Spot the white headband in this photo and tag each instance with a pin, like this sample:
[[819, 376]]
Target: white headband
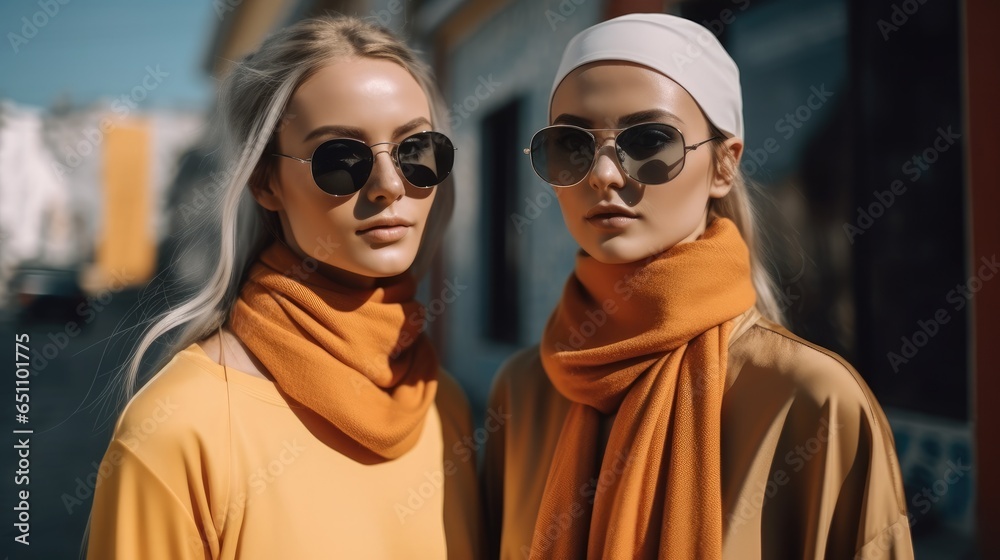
[[684, 51]]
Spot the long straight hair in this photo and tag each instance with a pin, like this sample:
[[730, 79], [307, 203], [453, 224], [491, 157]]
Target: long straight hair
[[741, 206], [252, 100]]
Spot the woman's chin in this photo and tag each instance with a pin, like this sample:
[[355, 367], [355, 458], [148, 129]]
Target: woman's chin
[[617, 250], [385, 266]]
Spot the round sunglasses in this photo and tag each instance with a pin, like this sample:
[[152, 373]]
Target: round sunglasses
[[650, 153], [342, 166]]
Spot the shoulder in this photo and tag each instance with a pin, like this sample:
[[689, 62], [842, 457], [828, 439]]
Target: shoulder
[[523, 370], [521, 387], [171, 452], [181, 409], [809, 370], [794, 400], [815, 391]]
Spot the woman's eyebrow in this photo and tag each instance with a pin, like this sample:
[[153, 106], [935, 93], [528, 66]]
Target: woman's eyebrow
[[638, 117], [353, 132], [648, 116], [574, 120], [414, 123], [335, 130]]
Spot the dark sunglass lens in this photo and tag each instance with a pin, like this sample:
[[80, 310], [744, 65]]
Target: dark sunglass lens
[[562, 156], [341, 167], [426, 158], [651, 153]]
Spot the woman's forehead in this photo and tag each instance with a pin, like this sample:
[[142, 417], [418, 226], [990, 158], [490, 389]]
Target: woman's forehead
[[358, 93], [609, 90]]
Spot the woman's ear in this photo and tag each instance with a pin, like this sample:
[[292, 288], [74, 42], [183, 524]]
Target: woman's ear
[[727, 166], [265, 187]]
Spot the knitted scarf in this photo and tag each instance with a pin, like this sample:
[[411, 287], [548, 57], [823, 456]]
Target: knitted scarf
[[647, 340], [357, 357]]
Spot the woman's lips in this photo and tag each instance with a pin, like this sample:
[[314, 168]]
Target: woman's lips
[[383, 234], [611, 221]]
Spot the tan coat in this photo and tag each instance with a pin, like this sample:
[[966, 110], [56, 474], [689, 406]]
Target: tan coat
[[809, 468]]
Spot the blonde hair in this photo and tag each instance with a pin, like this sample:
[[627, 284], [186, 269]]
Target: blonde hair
[[739, 206], [252, 100]]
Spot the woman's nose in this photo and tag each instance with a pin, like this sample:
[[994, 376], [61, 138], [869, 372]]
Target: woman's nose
[[385, 183], [606, 172]]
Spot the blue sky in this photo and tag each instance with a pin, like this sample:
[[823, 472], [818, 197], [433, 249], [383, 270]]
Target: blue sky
[[100, 48]]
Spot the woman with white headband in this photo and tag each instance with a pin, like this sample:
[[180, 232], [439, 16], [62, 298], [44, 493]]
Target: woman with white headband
[[666, 412]]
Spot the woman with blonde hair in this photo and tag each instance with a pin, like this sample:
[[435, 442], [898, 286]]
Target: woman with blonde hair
[[666, 412], [303, 413]]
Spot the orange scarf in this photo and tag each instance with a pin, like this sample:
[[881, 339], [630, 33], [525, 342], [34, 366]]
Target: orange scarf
[[648, 340], [357, 357]]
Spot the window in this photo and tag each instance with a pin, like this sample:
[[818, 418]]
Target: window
[[501, 260]]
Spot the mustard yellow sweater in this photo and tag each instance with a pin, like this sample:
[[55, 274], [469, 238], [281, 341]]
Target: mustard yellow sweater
[[205, 466]]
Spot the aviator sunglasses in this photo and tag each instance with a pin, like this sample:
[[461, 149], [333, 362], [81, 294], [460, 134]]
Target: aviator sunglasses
[[341, 166], [650, 153]]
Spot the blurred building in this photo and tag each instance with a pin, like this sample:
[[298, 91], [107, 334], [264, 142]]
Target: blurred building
[[83, 196], [860, 121]]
